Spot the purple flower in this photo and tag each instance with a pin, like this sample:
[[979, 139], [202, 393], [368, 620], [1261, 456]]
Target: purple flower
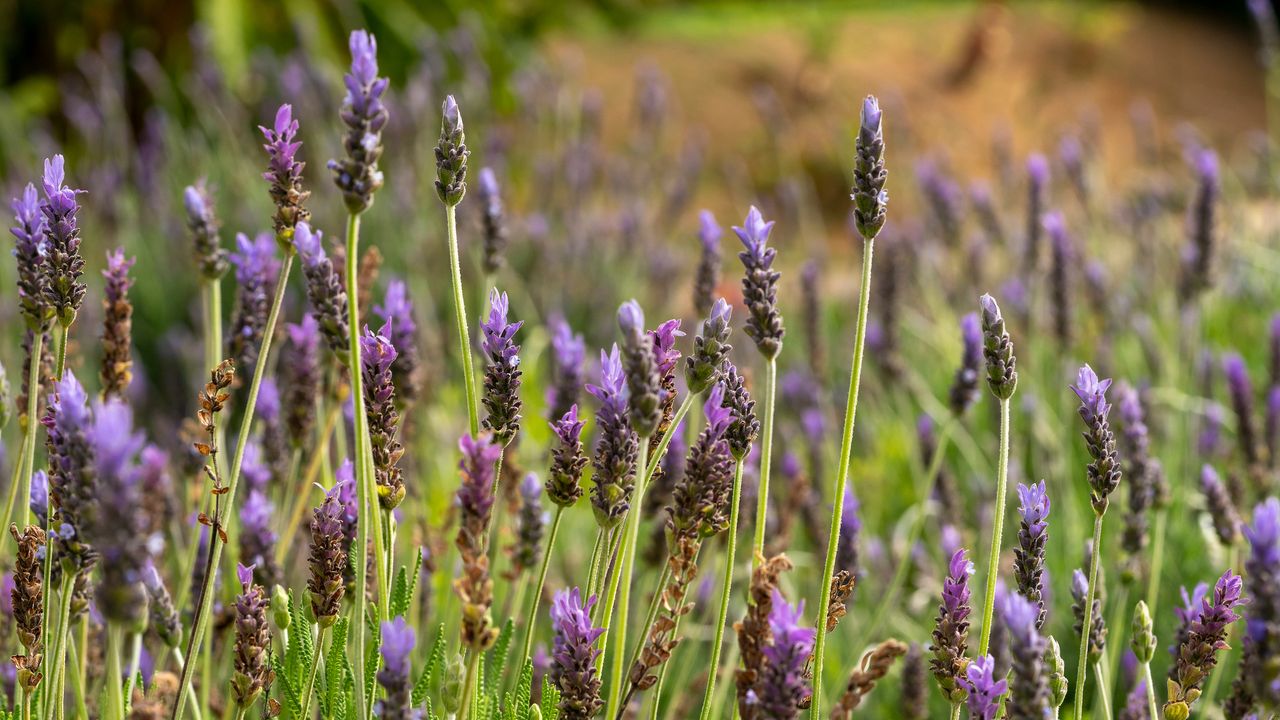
[[1104, 469], [203, 224], [300, 373], [1262, 640], [357, 175], [63, 263], [451, 155], [398, 641], [377, 356], [256, 266], [494, 224], [119, 537], [710, 348], [1028, 564], [1241, 391], [760, 284], [30, 249], [1197, 260], [1029, 692], [1222, 509], [284, 173], [567, 461], [707, 275], [1198, 651], [574, 653], [640, 362], [253, 640], [39, 500], [964, 389], [984, 691], [616, 444], [568, 354], [997, 349], [72, 475], [869, 176], [502, 373], [479, 457], [257, 540], [325, 290], [783, 687], [951, 630], [397, 314]]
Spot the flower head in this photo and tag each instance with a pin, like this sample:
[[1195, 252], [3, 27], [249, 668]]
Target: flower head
[[357, 175], [64, 265], [760, 284], [983, 688], [573, 654], [451, 155], [1104, 470], [502, 375], [284, 173], [869, 196]]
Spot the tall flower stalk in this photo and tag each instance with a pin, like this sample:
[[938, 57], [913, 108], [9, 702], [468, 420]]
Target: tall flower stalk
[[1104, 476], [869, 213], [33, 280], [451, 186], [1002, 378]]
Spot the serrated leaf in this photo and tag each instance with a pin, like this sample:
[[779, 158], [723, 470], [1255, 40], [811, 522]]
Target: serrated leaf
[[405, 585], [286, 687], [497, 660], [300, 652], [429, 679], [333, 689], [524, 691], [372, 657], [549, 704]]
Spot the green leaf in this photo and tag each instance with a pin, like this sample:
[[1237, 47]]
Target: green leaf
[[288, 690], [372, 658], [402, 590], [299, 653], [429, 680], [334, 690], [524, 691], [497, 660], [550, 703]]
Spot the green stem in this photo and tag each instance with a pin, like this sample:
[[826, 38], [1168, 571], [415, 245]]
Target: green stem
[[77, 676], [363, 469], [993, 557], [651, 614], [135, 657], [215, 546], [955, 711], [665, 440], [191, 692], [726, 591], [460, 316], [627, 554], [890, 596], [469, 686], [29, 438], [1152, 710], [14, 484], [593, 575], [840, 481], [304, 483], [61, 362], [532, 618], [311, 674], [115, 700], [54, 686], [1082, 666], [1103, 692], [766, 452]]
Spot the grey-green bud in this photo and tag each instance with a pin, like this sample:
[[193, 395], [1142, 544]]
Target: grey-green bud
[[1057, 673], [280, 608], [1143, 642]]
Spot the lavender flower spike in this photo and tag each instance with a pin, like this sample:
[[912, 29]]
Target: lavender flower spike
[[203, 223], [1029, 692], [328, 561], [869, 175], [997, 348], [643, 377], [300, 376], [495, 227], [782, 687], [964, 389], [1241, 391], [253, 641], [1198, 651], [1104, 469], [1222, 509], [616, 446], [502, 371], [1197, 261], [325, 290], [707, 276], [30, 249], [63, 262], [117, 326], [568, 354], [951, 631], [984, 691], [564, 482], [119, 537], [760, 284], [398, 641], [284, 173], [710, 348], [451, 155], [357, 175], [573, 668], [72, 475], [475, 504], [530, 524], [1033, 533], [1258, 676], [377, 355]]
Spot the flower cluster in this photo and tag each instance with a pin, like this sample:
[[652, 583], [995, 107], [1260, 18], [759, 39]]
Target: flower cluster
[[502, 372], [357, 175]]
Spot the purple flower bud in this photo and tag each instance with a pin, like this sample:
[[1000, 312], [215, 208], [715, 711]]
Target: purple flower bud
[[451, 155], [377, 356], [495, 229], [63, 263], [707, 275], [1263, 623], [711, 347], [616, 446], [502, 373], [357, 175], [631, 318], [1241, 391], [568, 354], [783, 687], [30, 249], [964, 389], [574, 653], [284, 173], [39, 500], [398, 641], [119, 537], [1104, 469], [760, 284], [997, 349]]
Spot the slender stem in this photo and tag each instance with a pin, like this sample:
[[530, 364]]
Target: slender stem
[[82, 676], [363, 466], [1103, 692], [726, 591], [215, 547], [1152, 710], [650, 615], [593, 575], [840, 481], [955, 711], [460, 316], [993, 557], [311, 674], [77, 676], [29, 438], [191, 692], [469, 686], [135, 658], [60, 638], [1082, 666], [115, 700], [64, 334], [890, 596], [766, 453], [665, 440], [532, 618], [14, 484], [627, 554]]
